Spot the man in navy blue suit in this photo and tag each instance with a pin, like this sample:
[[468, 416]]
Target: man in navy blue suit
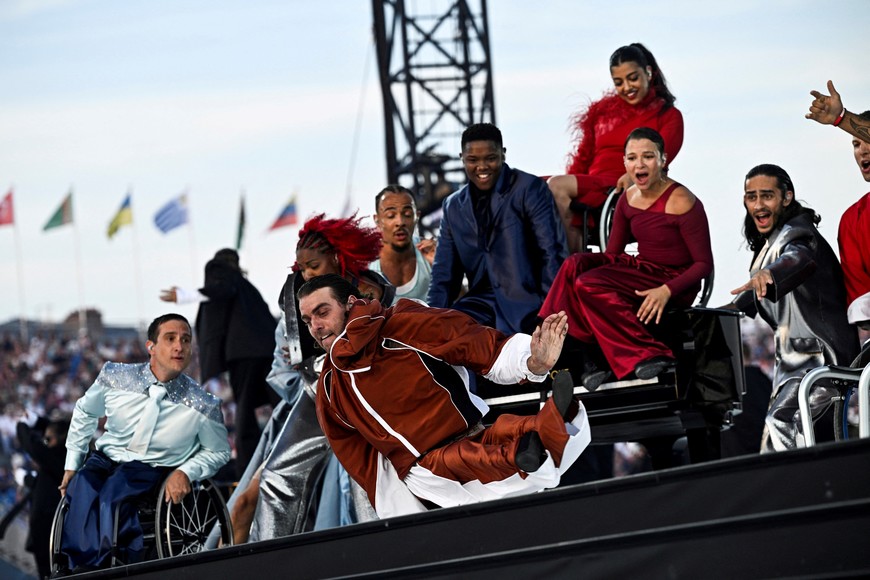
[[501, 231]]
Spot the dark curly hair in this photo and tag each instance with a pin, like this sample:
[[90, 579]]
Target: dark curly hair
[[355, 245]]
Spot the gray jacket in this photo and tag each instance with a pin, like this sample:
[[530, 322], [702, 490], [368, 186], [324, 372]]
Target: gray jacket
[[806, 304]]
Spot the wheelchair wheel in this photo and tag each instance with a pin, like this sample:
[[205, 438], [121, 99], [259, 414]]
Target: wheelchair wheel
[[605, 221], [183, 528], [56, 560]]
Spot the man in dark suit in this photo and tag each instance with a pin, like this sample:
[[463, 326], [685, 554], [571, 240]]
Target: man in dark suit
[[236, 333], [501, 231]]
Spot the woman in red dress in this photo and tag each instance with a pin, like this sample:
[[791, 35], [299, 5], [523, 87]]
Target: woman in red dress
[[612, 297], [640, 99]]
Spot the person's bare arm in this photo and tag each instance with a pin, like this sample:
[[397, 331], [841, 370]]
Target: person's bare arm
[[826, 109], [244, 509]]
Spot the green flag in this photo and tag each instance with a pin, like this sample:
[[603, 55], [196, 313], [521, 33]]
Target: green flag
[[63, 215]]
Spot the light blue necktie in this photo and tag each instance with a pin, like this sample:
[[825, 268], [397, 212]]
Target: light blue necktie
[[145, 428]]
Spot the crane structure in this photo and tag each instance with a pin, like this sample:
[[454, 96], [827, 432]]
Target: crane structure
[[435, 72]]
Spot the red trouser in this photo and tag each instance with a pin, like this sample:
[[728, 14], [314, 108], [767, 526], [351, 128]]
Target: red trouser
[[489, 456], [597, 291]]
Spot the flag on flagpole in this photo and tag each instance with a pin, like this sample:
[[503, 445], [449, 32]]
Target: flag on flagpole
[[241, 231], [172, 215], [7, 216], [63, 215], [287, 216], [124, 217]]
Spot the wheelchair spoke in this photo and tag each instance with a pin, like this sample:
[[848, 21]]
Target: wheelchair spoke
[[188, 524], [210, 522], [196, 510]]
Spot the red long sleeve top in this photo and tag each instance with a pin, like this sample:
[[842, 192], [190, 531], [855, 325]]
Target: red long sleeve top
[[598, 161]]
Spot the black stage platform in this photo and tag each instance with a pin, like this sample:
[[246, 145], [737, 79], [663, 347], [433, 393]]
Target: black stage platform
[[797, 514]]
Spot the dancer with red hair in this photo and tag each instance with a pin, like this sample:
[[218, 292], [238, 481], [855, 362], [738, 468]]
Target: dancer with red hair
[[340, 246], [294, 454]]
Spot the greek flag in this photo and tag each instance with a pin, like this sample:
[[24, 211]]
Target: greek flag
[[172, 215]]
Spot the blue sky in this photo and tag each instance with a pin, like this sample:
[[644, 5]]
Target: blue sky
[[221, 96]]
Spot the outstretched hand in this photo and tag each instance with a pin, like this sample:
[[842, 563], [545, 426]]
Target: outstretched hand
[[654, 302], [170, 295], [547, 341], [758, 283], [825, 109]]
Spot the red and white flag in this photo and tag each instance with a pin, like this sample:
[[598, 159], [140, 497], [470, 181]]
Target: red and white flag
[[7, 216]]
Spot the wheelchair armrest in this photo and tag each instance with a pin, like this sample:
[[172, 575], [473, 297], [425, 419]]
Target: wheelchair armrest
[[849, 370]]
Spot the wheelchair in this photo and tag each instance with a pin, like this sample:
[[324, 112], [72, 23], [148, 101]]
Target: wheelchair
[[599, 233], [844, 379], [168, 529], [696, 400], [596, 222]]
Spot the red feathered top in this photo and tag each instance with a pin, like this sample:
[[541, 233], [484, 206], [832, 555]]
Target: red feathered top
[[603, 128]]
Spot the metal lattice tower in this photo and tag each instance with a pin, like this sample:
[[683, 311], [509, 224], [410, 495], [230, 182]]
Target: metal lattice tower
[[436, 77]]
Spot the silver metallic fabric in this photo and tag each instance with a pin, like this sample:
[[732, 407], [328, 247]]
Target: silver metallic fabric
[[806, 308], [290, 475]]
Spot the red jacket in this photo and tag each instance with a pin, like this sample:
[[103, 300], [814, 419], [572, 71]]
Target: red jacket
[[388, 385]]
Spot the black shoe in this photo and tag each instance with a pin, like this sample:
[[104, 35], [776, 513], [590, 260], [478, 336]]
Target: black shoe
[[563, 392], [530, 452], [653, 367], [594, 379]]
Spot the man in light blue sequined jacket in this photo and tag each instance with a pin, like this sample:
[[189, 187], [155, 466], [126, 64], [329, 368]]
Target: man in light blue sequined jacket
[[158, 422]]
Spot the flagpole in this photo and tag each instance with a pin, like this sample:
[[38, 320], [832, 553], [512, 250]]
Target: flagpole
[[137, 275], [22, 319], [346, 211], [240, 233], [191, 243], [83, 326]]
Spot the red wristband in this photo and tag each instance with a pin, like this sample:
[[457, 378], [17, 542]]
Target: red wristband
[[840, 118]]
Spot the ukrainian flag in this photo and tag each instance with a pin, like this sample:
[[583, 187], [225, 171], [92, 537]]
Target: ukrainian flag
[[122, 218]]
